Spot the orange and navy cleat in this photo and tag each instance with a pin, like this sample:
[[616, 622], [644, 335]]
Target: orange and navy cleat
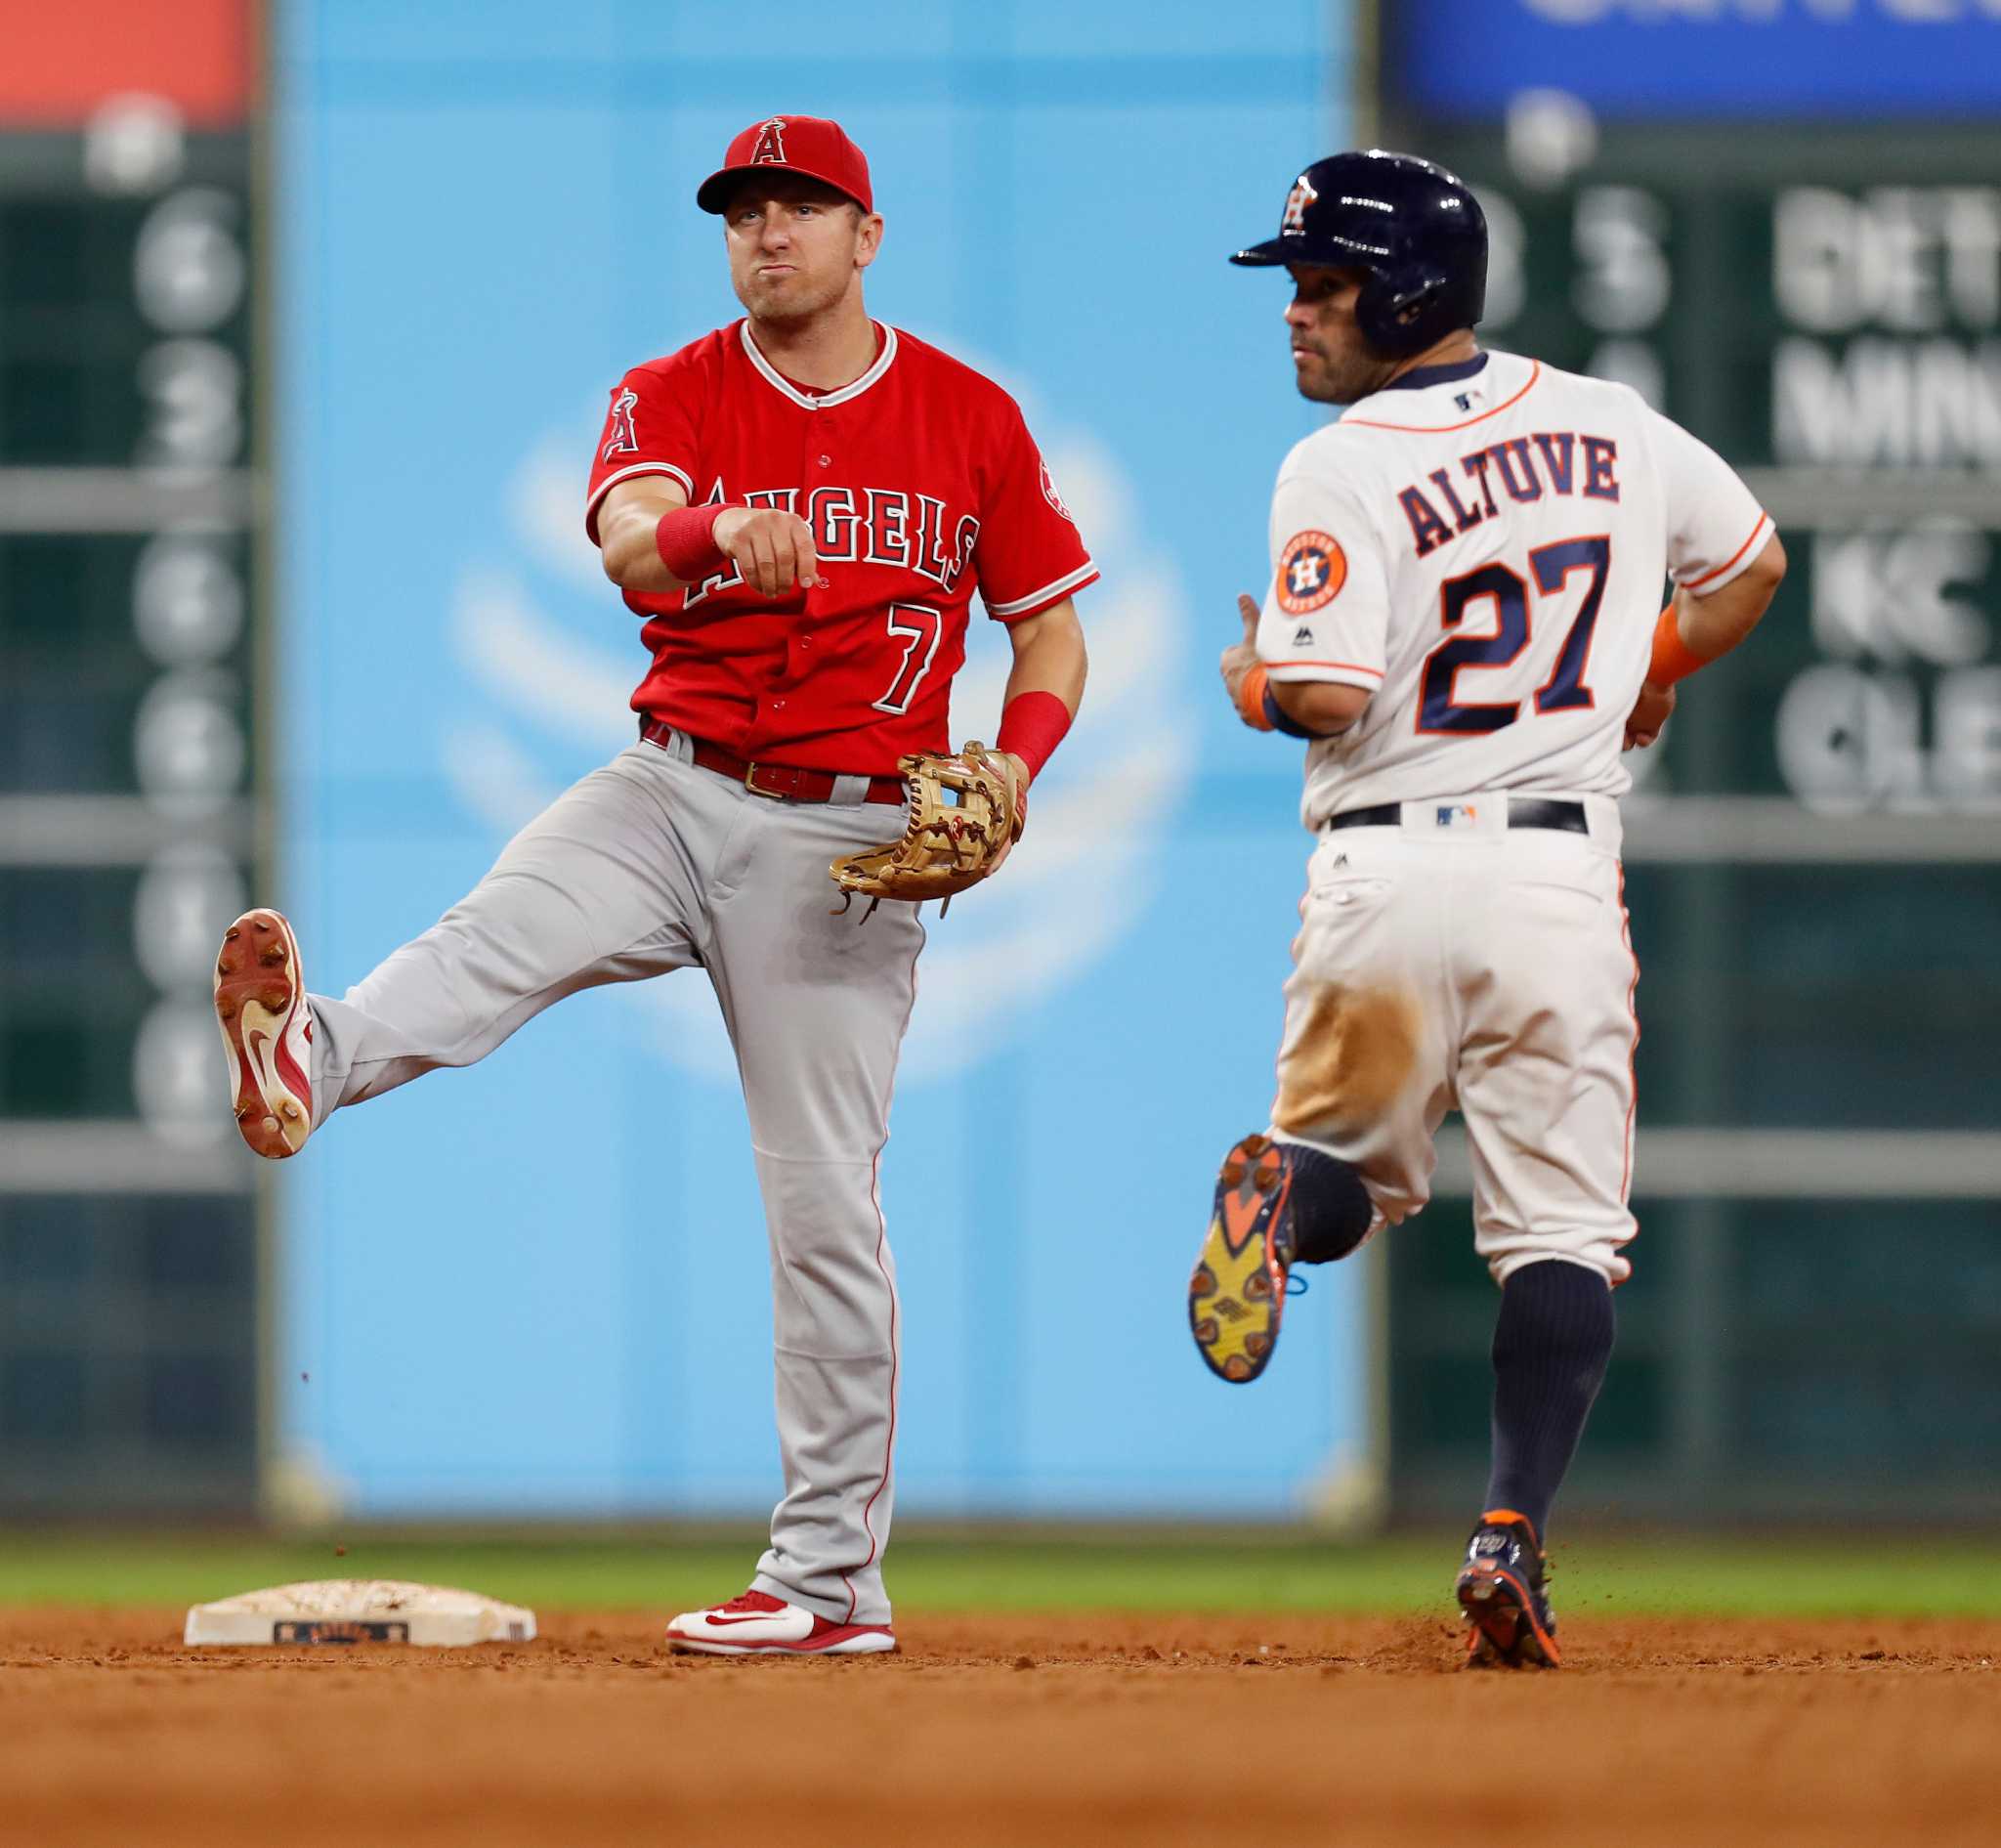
[[1237, 1295], [1503, 1590], [266, 1028]]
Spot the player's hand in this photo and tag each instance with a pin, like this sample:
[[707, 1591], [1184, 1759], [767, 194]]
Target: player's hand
[[1020, 805], [1650, 712], [772, 548], [1021, 771], [1241, 656]]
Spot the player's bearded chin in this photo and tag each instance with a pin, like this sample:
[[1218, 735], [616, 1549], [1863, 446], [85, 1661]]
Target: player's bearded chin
[[1342, 377], [1322, 382]]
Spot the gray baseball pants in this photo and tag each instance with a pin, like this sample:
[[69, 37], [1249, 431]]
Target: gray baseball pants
[[650, 865]]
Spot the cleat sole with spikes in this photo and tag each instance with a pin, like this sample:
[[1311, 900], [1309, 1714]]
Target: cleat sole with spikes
[[1236, 1295]]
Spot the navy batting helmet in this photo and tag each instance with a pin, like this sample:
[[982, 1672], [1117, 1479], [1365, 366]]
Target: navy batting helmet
[[1414, 230]]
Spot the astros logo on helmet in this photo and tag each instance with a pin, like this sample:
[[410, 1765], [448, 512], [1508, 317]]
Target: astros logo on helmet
[[1297, 200]]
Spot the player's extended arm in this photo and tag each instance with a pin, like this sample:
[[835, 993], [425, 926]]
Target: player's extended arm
[[1048, 672], [1694, 631], [647, 522], [1317, 707]]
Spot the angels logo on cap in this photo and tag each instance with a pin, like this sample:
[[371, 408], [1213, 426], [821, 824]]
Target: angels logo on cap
[[809, 145]]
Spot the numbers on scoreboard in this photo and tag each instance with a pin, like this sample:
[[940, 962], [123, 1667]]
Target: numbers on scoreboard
[[1438, 711], [918, 627]]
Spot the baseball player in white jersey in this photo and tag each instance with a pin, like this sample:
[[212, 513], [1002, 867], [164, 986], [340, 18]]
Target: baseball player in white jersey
[[1462, 619]]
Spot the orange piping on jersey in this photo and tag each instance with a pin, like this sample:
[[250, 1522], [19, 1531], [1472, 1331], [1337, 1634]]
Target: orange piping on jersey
[[1346, 666], [1631, 1061], [1440, 429], [1695, 583]]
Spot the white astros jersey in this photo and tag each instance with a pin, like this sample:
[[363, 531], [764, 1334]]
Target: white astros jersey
[[1482, 546]]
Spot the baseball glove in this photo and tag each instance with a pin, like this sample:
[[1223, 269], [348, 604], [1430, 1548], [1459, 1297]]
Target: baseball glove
[[966, 810]]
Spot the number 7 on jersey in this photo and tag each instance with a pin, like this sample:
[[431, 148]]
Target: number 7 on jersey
[[918, 627]]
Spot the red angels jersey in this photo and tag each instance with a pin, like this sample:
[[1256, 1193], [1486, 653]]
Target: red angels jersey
[[1482, 546], [921, 485]]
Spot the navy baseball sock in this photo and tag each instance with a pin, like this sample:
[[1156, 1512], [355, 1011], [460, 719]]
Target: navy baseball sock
[[1551, 1346], [1331, 1208]]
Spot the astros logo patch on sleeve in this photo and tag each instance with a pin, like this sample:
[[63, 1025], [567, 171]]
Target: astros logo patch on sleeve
[[1311, 570]]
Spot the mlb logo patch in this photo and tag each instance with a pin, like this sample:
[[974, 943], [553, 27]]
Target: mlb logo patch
[[1457, 814]]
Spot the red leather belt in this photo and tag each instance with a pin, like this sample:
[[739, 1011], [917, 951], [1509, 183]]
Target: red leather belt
[[783, 782]]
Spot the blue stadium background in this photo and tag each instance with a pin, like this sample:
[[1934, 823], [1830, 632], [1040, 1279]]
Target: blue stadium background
[[540, 1285]]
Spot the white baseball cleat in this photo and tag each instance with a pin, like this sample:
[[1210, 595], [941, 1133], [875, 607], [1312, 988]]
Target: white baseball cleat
[[266, 1026], [755, 1623]]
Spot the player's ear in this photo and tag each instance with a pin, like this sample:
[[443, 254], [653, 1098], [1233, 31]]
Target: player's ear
[[867, 239]]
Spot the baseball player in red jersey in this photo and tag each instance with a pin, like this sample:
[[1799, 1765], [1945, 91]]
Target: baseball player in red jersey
[[800, 505]]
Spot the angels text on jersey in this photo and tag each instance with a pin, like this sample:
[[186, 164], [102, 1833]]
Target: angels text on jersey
[[869, 525]]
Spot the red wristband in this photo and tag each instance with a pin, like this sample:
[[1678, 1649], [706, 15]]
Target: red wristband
[[1673, 659], [685, 539], [1031, 726]]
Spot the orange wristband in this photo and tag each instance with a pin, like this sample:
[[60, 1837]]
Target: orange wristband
[[1250, 698], [1673, 659]]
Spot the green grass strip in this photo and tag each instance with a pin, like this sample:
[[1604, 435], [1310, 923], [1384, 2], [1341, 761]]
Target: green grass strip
[[1064, 1572]]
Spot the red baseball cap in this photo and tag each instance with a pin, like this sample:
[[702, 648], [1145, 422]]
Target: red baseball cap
[[808, 144]]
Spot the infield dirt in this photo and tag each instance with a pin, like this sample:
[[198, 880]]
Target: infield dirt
[[1107, 1731]]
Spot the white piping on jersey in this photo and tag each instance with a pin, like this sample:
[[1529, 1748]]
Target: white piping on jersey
[[1071, 581], [612, 481], [827, 399]]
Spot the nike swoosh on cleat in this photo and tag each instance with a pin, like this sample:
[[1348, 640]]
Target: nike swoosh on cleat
[[259, 1044]]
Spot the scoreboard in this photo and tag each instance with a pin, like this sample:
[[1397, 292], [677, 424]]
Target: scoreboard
[[1826, 312], [1813, 853], [130, 639]]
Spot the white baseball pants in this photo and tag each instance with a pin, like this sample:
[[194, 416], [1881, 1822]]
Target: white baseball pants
[[650, 865], [1452, 961]]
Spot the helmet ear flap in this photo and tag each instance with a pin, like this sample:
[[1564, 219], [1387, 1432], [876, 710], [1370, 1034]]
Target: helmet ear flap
[[1399, 321]]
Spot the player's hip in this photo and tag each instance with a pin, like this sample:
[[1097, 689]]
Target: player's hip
[[1483, 828], [1455, 881], [1414, 769]]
